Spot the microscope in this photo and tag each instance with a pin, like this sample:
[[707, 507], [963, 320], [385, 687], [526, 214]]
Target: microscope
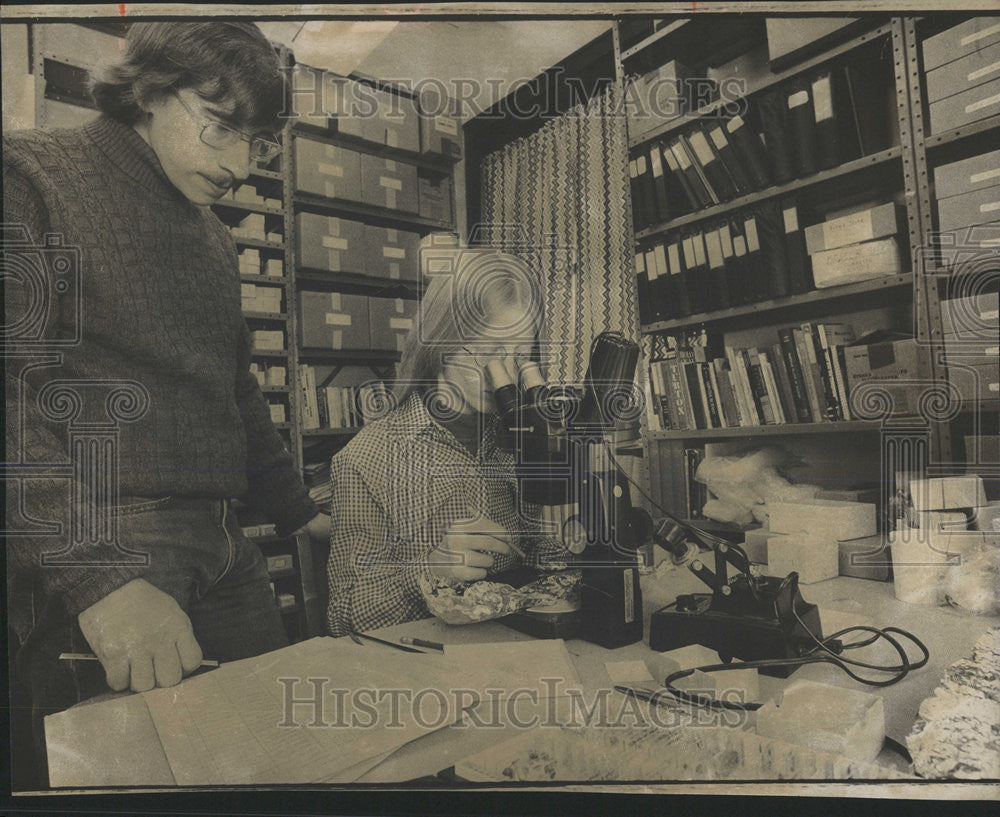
[[558, 437]]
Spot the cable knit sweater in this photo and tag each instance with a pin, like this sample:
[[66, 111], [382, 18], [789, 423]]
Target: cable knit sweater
[[159, 306]]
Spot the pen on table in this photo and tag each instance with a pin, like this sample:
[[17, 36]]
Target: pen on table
[[419, 642], [86, 656]]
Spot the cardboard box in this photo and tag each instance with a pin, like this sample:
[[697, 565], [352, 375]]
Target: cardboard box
[[441, 135], [391, 320], [857, 262], [974, 317], [967, 175], [332, 320], [961, 349], [327, 170], [947, 493], [975, 384], [660, 96], [885, 363], [980, 206], [328, 243], [865, 558], [960, 40], [866, 225], [388, 183], [351, 105], [435, 197], [815, 560], [821, 519], [791, 39], [307, 101], [967, 72], [392, 253], [969, 106], [394, 120]]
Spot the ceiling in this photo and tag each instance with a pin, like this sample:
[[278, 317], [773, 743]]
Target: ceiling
[[490, 58]]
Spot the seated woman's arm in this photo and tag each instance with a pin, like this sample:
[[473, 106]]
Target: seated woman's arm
[[373, 574]]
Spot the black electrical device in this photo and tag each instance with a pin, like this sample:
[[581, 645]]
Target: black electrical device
[[748, 617]]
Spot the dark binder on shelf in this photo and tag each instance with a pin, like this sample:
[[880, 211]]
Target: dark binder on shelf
[[773, 109], [872, 114], [757, 277], [799, 267], [639, 214], [825, 112], [706, 294], [642, 288], [646, 187], [680, 181], [795, 374], [802, 124], [692, 275], [678, 279], [742, 289], [750, 150], [659, 184], [730, 161], [695, 181], [717, 270], [771, 230], [661, 285], [711, 166], [654, 309]]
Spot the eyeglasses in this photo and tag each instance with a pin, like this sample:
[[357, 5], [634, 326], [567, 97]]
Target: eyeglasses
[[220, 137]]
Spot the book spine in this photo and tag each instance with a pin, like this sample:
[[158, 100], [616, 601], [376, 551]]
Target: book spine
[[843, 390], [758, 385], [796, 376], [696, 167], [678, 279], [696, 395], [711, 166], [678, 388], [714, 395], [782, 378], [724, 386], [750, 150], [748, 413], [802, 122], [694, 183], [831, 371], [730, 161], [824, 110], [717, 270], [771, 386], [651, 396], [772, 107], [807, 375], [829, 391], [680, 179]]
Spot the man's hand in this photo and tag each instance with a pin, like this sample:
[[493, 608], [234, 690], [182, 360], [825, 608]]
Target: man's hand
[[141, 636], [465, 552], [318, 527]]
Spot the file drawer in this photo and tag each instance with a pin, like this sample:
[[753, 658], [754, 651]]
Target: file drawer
[[968, 106], [978, 207], [970, 71], [958, 41], [968, 175]]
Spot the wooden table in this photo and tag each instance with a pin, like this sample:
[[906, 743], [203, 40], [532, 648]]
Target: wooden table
[[115, 743]]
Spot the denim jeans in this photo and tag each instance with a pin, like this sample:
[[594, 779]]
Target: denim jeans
[[199, 556]]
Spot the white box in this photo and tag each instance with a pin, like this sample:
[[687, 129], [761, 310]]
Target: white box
[[947, 493], [857, 262], [826, 718], [942, 521], [826, 519], [814, 560]]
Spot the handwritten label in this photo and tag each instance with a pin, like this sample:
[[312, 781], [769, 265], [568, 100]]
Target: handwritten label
[[334, 243], [337, 319]]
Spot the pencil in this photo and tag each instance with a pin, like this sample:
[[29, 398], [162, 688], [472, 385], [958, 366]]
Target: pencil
[[419, 642], [87, 656]]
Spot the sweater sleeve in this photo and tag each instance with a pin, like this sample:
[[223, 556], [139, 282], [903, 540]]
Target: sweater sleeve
[[36, 551], [274, 484]]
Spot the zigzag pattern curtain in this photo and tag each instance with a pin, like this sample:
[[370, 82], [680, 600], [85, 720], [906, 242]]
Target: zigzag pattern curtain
[[558, 199]]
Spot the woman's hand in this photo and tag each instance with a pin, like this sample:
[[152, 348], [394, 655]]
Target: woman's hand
[[466, 551]]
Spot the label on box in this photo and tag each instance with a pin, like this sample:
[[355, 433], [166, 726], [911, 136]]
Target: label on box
[[701, 148], [400, 323], [392, 184], [675, 256], [989, 207], [753, 244], [394, 252], [655, 265], [972, 107], [791, 220], [334, 243], [843, 231], [654, 160], [447, 125], [822, 99], [734, 124], [337, 319], [718, 137], [979, 35], [331, 170], [982, 72], [680, 155], [975, 178], [797, 99]]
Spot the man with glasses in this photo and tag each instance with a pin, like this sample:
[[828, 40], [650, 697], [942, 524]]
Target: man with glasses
[[185, 110]]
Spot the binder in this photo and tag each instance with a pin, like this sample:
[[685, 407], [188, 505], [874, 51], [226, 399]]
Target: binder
[[706, 297], [771, 230], [692, 277], [799, 268], [680, 181], [642, 288], [716, 270], [659, 184], [726, 154], [757, 272], [733, 283], [826, 119], [773, 109], [802, 124], [678, 280], [743, 290], [790, 353], [647, 205], [694, 180], [750, 151], [639, 214], [660, 286], [654, 310], [711, 166], [873, 124]]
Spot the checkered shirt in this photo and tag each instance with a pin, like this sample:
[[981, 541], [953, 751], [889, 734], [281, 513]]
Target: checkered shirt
[[397, 487]]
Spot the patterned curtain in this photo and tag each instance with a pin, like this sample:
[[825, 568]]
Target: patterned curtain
[[558, 199]]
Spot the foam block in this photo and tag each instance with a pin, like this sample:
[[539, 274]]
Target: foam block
[[826, 519], [941, 521], [918, 566], [814, 560], [826, 718], [947, 493], [865, 558], [987, 518], [755, 544]]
